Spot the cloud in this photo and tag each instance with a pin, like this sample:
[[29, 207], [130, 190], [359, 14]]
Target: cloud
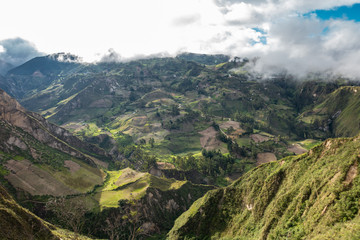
[[299, 45], [284, 33], [304, 5], [186, 20], [111, 56], [285, 38], [17, 51], [114, 56]]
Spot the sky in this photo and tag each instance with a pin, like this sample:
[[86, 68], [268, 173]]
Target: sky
[[298, 36]]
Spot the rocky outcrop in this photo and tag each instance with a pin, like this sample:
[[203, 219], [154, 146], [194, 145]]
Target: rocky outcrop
[[12, 113]]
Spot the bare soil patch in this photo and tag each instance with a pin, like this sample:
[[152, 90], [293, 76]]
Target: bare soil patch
[[74, 126], [208, 139], [258, 138], [297, 149], [164, 165], [238, 131], [228, 124], [72, 166], [265, 158], [26, 176]]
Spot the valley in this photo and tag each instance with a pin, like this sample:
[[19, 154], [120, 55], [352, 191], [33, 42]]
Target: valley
[[137, 144]]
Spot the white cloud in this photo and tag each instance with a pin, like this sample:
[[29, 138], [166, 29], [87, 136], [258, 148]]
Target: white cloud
[[143, 27], [296, 43]]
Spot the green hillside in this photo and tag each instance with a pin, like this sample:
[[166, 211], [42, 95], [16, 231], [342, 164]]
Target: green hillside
[[168, 109], [19, 223], [137, 139], [155, 202], [337, 115], [311, 196]]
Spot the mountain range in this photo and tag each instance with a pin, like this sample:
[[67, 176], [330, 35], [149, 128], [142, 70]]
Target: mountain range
[[146, 139]]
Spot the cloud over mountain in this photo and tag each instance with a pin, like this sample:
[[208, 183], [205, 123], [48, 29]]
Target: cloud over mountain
[[17, 51], [286, 33]]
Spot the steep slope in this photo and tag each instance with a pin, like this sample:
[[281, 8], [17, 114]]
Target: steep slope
[[12, 113], [338, 114], [18, 223], [311, 196], [43, 159], [38, 73], [39, 160], [156, 202]]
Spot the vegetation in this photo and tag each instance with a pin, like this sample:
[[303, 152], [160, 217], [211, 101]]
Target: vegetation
[[19, 223], [193, 117], [296, 197]]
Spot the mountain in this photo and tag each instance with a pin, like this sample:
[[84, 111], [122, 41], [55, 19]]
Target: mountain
[[181, 106], [137, 140], [38, 157], [311, 196], [38, 73], [337, 115], [204, 58], [40, 161]]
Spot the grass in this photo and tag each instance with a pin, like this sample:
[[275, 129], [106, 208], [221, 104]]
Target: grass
[[343, 106], [18, 158], [243, 141], [309, 143], [82, 180], [303, 197], [182, 142], [128, 184]]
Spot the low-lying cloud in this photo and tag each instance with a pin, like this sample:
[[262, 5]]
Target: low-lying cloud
[[16, 51]]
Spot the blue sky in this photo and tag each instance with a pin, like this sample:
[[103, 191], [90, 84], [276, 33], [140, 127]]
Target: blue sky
[[351, 13]]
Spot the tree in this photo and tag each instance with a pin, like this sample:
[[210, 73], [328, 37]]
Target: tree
[[151, 142], [114, 226], [142, 141], [175, 110], [69, 212], [126, 221]]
